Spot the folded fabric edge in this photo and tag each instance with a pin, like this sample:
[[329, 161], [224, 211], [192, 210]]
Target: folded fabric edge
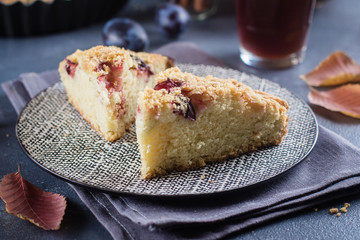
[[276, 213], [17, 94], [330, 192], [218, 229], [119, 227]]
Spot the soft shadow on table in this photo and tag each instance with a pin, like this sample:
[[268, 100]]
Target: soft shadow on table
[[334, 116], [73, 213], [7, 116]]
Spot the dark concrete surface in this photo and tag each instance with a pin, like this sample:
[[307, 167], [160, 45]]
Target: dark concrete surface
[[336, 25]]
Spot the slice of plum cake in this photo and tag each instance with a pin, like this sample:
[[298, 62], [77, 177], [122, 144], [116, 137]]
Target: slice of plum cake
[[103, 83], [186, 121]]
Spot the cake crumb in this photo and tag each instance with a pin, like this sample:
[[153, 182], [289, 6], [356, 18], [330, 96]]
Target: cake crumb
[[343, 209], [333, 210], [7, 135], [316, 209], [202, 176], [211, 181], [65, 135]]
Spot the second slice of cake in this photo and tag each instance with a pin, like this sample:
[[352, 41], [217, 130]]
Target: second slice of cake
[[187, 121], [103, 83]]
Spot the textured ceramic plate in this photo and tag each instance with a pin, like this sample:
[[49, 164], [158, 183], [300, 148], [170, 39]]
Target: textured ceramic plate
[[55, 137]]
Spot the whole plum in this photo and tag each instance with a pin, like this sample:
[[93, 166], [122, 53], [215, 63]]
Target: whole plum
[[171, 20], [126, 33]]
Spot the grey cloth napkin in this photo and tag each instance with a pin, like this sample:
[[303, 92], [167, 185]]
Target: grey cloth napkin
[[331, 171]]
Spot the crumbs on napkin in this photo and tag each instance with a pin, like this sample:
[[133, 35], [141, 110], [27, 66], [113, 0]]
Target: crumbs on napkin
[[333, 210], [342, 210]]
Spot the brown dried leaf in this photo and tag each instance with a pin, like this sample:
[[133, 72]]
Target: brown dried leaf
[[23, 199], [336, 69], [344, 99]]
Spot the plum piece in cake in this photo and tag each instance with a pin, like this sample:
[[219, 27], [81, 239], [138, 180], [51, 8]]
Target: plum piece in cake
[[187, 121], [103, 83]]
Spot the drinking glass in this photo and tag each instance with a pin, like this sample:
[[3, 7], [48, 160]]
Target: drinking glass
[[273, 33]]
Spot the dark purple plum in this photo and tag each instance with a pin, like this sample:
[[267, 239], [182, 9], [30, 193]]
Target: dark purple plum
[[142, 66], [168, 84], [70, 67], [189, 112], [172, 19], [126, 33]]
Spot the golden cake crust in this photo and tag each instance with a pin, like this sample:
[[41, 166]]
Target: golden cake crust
[[209, 87], [90, 59]]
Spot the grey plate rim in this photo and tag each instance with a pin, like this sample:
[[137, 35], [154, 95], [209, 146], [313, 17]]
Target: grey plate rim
[[105, 190]]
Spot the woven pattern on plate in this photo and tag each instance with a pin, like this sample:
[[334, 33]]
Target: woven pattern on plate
[[56, 137]]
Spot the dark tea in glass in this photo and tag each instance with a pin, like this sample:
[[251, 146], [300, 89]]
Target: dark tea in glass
[[273, 33]]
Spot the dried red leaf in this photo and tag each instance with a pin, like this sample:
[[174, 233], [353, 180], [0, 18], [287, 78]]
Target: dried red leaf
[[344, 99], [336, 69], [23, 199]]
